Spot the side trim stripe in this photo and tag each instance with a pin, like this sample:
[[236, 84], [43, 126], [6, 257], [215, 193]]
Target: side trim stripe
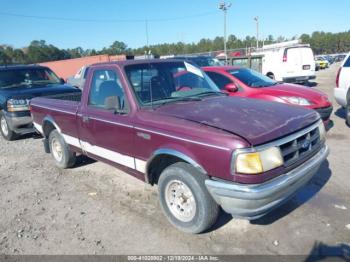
[[125, 160], [146, 130], [183, 139], [72, 141], [55, 109], [109, 155], [111, 122]]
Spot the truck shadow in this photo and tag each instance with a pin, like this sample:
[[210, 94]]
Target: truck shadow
[[323, 252], [23, 137], [222, 220], [340, 112], [83, 161], [302, 196]]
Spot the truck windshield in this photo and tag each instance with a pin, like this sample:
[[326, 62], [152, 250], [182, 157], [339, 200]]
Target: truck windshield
[[11, 78], [252, 78], [159, 83]]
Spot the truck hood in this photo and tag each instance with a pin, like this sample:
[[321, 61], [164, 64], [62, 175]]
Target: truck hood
[[256, 121], [24, 92]]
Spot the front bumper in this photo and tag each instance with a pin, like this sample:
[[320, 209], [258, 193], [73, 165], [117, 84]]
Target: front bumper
[[20, 122], [325, 112], [254, 201], [340, 95], [298, 79]]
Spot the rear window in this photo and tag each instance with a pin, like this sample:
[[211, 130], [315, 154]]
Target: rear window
[[347, 62]]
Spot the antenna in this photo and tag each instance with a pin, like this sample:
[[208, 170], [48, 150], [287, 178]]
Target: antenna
[[150, 86], [147, 36]]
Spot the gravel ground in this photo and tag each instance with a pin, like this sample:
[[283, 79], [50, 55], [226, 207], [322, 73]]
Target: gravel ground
[[97, 209]]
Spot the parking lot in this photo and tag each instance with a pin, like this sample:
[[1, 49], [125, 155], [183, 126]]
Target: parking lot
[[97, 209]]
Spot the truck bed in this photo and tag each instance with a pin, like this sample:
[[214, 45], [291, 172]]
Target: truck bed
[[62, 108]]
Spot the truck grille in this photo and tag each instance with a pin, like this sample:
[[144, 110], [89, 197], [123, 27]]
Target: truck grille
[[301, 147]]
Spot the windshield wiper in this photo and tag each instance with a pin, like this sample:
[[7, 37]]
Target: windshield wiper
[[176, 99], [43, 82], [212, 93]]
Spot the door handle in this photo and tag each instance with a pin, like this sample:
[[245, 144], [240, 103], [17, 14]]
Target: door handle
[[86, 119]]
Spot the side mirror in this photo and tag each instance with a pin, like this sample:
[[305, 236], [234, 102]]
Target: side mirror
[[62, 81], [231, 87]]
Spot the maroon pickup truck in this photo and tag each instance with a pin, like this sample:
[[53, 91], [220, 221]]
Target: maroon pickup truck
[[166, 123]]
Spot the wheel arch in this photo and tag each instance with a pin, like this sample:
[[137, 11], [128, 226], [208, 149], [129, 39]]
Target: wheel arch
[[49, 124], [164, 157]]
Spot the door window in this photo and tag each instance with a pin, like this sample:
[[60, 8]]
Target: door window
[[220, 80], [106, 91]]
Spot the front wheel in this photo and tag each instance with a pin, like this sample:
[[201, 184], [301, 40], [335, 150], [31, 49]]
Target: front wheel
[[347, 113], [185, 199], [5, 129], [271, 75], [60, 151]]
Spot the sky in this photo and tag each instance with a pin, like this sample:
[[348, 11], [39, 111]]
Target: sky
[[96, 24]]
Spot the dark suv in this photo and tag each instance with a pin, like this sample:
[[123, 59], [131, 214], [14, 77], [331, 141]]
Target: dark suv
[[18, 85], [201, 60]]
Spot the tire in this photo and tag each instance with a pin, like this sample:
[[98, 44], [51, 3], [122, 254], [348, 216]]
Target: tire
[[202, 210], [63, 156], [347, 113], [271, 75], [6, 131]]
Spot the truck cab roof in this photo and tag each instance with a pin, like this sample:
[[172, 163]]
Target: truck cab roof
[[19, 67]]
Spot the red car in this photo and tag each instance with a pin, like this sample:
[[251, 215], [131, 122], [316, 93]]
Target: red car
[[244, 82]]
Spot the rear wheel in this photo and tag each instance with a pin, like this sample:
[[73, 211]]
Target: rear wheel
[[185, 199], [6, 131], [60, 151]]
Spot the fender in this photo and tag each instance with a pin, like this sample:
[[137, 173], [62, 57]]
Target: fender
[[51, 121], [46, 120], [172, 152]]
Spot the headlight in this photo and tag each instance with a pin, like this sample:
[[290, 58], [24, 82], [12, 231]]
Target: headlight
[[257, 162], [296, 100], [322, 131], [16, 105]]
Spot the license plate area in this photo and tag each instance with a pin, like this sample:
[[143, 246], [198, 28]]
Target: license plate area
[[306, 67]]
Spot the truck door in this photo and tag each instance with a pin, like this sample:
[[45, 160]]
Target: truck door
[[106, 132]]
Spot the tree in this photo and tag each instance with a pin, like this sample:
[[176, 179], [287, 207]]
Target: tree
[[39, 51], [117, 48]]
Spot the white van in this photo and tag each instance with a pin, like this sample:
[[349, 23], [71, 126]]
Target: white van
[[288, 61], [342, 89]]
